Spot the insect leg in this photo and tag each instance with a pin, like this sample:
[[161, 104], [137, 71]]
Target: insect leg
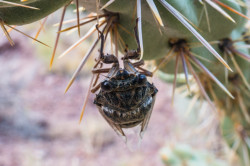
[[132, 68], [104, 70], [143, 71], [95, 88], [139, 63], [128, 66], [134, 54], [102, 43], [111, 71]]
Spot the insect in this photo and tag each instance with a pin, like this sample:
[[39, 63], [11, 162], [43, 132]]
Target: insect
[[125, 98]]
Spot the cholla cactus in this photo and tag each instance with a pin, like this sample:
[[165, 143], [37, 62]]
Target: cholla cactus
[[184, 155], [205, 37]]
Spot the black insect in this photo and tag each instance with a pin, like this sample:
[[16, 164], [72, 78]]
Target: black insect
[[125, 98]]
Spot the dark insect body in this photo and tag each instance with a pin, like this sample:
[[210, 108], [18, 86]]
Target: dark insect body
[[125, 98]]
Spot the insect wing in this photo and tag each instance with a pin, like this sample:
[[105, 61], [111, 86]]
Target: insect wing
[[145, 122], [116, 128]]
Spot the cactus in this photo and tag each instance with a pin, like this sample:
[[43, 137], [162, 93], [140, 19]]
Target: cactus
[[176, 33], [184, 155], [19, 15]]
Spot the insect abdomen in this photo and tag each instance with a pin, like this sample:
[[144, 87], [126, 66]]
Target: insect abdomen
[[128, 117]]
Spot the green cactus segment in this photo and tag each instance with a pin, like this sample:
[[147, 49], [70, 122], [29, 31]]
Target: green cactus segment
[[155, 43], [237, 137], [14, 15], [183, 154], [237, 85]]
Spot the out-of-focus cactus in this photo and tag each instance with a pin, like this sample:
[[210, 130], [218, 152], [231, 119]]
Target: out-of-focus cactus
[[175, 33], [184, 155]]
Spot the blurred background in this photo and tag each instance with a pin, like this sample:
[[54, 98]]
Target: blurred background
[[39, 123]]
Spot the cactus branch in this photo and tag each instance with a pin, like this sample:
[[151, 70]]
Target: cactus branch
[[194, 32]]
